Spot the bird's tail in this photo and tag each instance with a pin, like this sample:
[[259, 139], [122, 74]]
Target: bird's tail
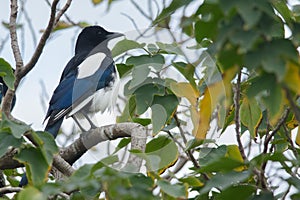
[[24, 180], [53, 128]]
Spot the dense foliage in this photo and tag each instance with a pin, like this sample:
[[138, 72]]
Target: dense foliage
[[243, 80]]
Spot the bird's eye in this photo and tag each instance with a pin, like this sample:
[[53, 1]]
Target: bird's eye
[[99, 32]]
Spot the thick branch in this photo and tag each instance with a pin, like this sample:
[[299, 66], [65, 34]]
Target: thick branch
[[110, 132], [74, 151], [64, 167]]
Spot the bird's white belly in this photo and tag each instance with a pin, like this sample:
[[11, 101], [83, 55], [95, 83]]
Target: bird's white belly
[[105, 98]]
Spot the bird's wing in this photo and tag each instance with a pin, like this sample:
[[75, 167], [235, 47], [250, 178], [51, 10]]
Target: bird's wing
[[78, 85]]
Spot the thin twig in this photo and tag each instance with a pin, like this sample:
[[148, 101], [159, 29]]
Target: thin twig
[[62, 11], [293, 105], [42, 42], [30, 25], [237, 93], [140, 10], [275, 130]]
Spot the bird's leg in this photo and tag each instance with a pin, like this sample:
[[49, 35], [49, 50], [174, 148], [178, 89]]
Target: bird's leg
[[93, 126], [78, 124]]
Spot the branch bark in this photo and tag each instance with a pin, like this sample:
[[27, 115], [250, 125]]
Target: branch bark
[[74, 151], [237, 93]]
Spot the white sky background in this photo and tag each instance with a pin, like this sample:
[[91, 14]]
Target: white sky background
[[59, 49]]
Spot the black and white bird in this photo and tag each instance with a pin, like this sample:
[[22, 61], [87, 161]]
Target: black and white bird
[[88, 82]]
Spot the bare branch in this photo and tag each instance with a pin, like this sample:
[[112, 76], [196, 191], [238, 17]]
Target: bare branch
[[64, 167], [110, 132], [62, 11], [42, 42], [275, 130], [140, 10], [74, 151], [7, 101], [237, 92], [13, 33]]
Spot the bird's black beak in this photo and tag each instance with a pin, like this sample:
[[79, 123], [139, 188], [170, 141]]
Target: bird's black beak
[[113, 35]]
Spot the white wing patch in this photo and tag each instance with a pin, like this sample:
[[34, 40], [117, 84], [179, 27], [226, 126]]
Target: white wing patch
[[90, 65]]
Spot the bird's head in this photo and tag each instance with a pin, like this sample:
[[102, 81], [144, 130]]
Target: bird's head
[[93, 36]]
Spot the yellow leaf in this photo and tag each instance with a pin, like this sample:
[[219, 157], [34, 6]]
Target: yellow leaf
[[95, 2], [292, 77], [186, 90], [298, 137], [212, 96], [233, 152]]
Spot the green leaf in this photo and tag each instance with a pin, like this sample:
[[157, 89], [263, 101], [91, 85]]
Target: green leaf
[[125, 45], [249, 12], [275, 103], [6, 72], [139, 75], [283, 9], [123, 143], [168, 102], [160, 153], [166, 12], [224, 181], [159, 117], [37, 167], [205, 30], [123, 69], [193, 143], [223, 164], [155, 61], [144, 96], [192, 181], [174, 190], [238, 192], [128, 112], [8, 140], [31, 193], [170, 48], [17, 129], [48, 145], [207, 26], [188, 71], [251, 115], [210, 155]]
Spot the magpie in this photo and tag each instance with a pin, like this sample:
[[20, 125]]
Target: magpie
[[87, 84]]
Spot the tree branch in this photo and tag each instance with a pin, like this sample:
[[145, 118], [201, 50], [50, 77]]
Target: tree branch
[[237, 92], [42, 42], [7, 101], [13, 33], [74, 151]]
